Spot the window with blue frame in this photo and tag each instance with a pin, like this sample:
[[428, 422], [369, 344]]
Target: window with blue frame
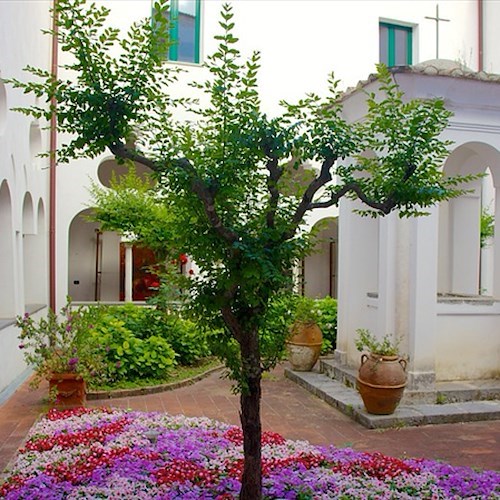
[[185, 21], [396, 44]]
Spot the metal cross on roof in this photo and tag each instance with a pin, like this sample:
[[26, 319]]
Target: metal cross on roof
[[437, 19]]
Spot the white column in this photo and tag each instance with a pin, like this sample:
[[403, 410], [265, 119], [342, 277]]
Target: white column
[[422, 300], [387, 268], [496, 247], [345, 266], [487, 255], [128, 272], [358, 269], [465, 244]]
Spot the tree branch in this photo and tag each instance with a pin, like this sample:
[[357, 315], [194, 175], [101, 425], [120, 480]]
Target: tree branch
[[386, 206], [206, 195], [120, 150], [275, 173], [318, 182], [323, 178]]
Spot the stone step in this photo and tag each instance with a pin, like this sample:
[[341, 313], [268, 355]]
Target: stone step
[[347, 400], [444, 392]]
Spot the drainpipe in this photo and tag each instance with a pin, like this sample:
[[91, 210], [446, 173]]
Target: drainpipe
[[480, 35], [52, 169]]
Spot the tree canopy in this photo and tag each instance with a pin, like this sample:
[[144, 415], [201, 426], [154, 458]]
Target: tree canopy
[[227, 185]]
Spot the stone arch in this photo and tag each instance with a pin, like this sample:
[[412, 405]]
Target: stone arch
[[93, 261], [7, 264], [35, 264], [109, 167], [320, 269], [28, 215], [3, 107], [459, 256], [35, 142]]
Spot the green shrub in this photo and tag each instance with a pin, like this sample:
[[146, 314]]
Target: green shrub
[[275, 327], [188, 340], [129, 357], [327, 321], [142, 328]]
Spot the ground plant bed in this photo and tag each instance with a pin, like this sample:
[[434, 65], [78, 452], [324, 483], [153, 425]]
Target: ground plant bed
[[107, 453]]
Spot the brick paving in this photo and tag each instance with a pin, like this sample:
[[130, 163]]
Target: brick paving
[[287, 409]]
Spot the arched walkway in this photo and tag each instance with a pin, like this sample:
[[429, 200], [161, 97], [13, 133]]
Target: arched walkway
[[93, 261], [34, 254], [462, 261], [7, 267], [320, 269]]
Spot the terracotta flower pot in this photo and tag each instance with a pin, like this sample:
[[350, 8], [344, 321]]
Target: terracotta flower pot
[[304, 346], [68, 389], [381, 381]]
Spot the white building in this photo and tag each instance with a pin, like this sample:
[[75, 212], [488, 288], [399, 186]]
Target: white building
[[47, 248]]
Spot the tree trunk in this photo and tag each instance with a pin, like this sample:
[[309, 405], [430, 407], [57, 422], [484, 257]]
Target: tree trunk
[[251, 482]]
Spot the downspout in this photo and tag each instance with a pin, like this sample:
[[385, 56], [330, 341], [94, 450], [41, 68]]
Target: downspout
[[52, 167], [480, 35]]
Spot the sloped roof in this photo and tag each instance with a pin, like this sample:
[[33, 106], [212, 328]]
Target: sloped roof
[[433, 67]]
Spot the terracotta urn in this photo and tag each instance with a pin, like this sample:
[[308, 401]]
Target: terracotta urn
[[304, 346], [381, 381], [67, 390]]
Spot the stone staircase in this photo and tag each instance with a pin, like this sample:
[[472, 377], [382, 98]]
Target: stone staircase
[[450, 402]]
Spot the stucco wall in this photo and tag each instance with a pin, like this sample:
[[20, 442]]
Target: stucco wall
[[468, 341]]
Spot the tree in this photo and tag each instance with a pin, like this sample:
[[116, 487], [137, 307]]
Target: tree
[[227, 178]]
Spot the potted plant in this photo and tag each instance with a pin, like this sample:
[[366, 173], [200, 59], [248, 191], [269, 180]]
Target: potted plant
[[382, 375], [60, 351], [305, 337]]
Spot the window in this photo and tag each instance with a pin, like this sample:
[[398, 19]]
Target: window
[[395, 44], [185, 31]]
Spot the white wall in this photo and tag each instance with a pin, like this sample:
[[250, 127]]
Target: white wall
[[467, 343], [21, 43], [301, 42]]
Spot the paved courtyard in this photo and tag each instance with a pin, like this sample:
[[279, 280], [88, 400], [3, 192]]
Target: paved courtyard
[[287, 409]]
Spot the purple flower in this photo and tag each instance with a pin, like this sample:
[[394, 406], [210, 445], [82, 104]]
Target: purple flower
[[21, 346], [72, 362], [26, 315], [118, 364]]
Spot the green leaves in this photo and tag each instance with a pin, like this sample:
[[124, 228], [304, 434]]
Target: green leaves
[[232, 185], [103, 97]]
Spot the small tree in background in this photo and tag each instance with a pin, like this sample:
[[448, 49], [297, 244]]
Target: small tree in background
[[226, 178]]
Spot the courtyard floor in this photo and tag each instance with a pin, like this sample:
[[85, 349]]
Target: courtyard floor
[[287, 409]]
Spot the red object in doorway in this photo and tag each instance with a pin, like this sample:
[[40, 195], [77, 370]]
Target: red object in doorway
[[144, 283]]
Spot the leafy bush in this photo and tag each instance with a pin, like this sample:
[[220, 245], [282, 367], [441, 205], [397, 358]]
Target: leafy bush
[[276, 324], [129, 357], [327, 321], [188, 340], [144, 342]]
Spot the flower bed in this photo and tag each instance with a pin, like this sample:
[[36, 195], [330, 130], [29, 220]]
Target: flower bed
[[103, 453]]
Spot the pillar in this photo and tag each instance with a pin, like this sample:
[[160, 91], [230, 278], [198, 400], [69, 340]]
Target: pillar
[[422, 286], [129, 268]]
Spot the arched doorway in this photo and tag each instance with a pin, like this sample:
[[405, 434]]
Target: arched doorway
[[7, 302], [466, 265], [93, 261], [320, 269], [34, 253], [101, 264]]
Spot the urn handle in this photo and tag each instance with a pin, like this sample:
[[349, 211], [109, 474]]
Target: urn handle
[[403, 363], [364, 357]]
